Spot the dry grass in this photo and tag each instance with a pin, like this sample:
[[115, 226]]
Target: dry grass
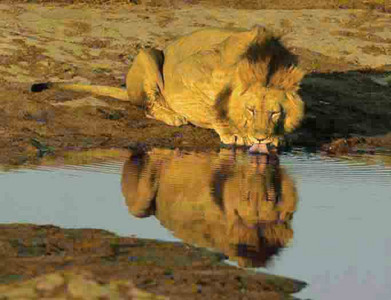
[[362, 35], [376, 50]]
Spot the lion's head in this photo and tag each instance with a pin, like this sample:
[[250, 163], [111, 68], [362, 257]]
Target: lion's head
[[263, 103]]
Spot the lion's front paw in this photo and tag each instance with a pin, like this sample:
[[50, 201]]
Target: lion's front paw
[[234, 139], [226, 136], [179, 120], [231, 136], [227, 139], [243, 140], [174, 120], [167, 116]]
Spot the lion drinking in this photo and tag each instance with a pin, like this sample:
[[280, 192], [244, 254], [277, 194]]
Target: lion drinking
[[241, 83]]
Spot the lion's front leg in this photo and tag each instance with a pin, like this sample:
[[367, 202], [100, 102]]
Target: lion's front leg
[[225, 137]]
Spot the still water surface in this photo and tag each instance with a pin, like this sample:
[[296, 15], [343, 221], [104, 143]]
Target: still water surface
[[321, 220]]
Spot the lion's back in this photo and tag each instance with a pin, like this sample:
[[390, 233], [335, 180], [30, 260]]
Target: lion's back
[[194, 42]]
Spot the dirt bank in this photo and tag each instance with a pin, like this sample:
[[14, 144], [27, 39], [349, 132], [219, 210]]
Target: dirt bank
[[176, 270]]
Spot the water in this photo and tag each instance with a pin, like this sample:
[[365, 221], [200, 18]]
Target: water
[[321, 220], [73, 197]]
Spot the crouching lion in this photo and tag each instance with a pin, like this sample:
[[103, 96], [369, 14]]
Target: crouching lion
[[234, 203], [241, 83]]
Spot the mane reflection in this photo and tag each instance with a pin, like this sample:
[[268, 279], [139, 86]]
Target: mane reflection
[[234, 203]]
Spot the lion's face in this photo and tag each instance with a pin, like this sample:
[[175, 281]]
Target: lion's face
[[264, 115]]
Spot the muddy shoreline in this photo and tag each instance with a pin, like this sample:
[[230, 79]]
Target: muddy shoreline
[[175, 270], [339, 124]]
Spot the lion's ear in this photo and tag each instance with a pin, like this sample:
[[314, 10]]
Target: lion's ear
[[258, 30], [287, 79], [237, 44], [294, 111]]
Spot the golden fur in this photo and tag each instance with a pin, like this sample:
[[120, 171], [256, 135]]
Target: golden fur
[[230, 202], [241, 83]]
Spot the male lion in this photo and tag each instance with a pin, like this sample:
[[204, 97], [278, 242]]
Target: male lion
[[241, 83]]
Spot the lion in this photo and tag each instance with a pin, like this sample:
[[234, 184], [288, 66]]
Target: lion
[[237, 204], [243, 84]]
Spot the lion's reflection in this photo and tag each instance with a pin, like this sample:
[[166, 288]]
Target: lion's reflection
[[240, 205]]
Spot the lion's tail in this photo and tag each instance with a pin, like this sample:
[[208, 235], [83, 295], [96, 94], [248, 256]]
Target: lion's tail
[[113, 92]]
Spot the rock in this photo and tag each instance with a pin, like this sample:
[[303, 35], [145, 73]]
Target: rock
[[74, 285], [383, 81]]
